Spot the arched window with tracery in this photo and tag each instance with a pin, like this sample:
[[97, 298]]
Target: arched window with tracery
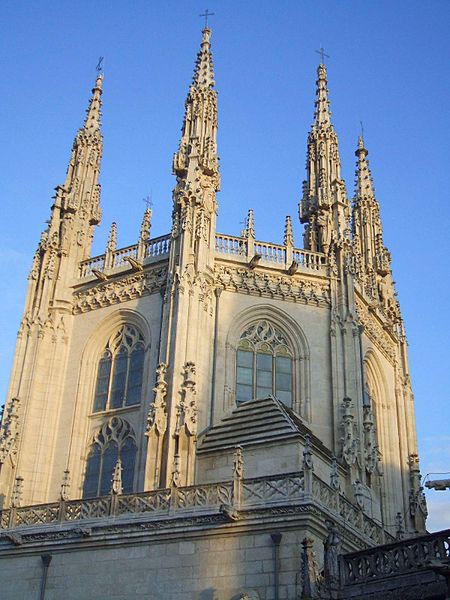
[[120, 370], [114, 440], [263, 364]]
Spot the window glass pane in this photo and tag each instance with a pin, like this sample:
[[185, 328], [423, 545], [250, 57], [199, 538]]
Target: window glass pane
[[284, 364], [264, 378], [135, 375], [283, 376], [101, 389], [243, 393], [264, 361], [284, 381], [245, 359], [128, 456], [244, 376], [119, 378], [285, 397], [110, 455], [263, 392], [92, 473]]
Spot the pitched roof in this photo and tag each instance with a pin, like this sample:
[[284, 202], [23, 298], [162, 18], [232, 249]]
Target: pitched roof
[[256, 422]]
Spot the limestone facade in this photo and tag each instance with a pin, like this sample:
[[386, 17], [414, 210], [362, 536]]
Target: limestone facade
[[206, 359]]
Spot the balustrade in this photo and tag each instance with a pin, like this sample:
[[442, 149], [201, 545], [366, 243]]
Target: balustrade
[[403, 557], [273, 254], [283, 490], [156, 248]]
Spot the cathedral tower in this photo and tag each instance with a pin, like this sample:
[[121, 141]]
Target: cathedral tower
[[209, 389]]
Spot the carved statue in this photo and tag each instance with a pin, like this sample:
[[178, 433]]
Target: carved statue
[[157, 415], [324, 226], [9, 429], [349, 441], [307, 454], [116, 482], [238, 463], [332, 550], [334, 475]]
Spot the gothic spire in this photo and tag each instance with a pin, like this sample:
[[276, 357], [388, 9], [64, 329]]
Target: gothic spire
[[372, 258], [93, 113], [198, 148], [322, 113], [204, 72], [324, 207], [363, 184], [81, 191]]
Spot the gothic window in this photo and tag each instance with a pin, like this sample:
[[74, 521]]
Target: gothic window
[[120, 370], [263, 364], [114, 440]]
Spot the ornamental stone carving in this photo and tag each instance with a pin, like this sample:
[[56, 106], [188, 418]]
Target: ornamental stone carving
[[187, 407], [371, 452], [157, 415], [118, 291], [9, 429], [349, 439], [256, 283], [417, 500], [116, 481], [334, 475]]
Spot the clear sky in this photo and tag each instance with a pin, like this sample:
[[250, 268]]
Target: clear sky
[[388, 68]]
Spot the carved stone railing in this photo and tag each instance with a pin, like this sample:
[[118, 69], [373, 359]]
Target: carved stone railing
[[401, 558], [276, 255], [156, 248], [263, 489], [229, 245], [243, 494]]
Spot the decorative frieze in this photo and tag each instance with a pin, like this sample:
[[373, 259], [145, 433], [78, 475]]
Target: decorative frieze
[[120, 290], [375, 332], [283, 287]]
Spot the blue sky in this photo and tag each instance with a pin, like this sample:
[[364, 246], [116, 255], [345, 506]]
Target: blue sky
[[388, 68]]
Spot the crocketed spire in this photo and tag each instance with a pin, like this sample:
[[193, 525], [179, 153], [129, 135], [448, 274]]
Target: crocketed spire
[[324, 207], [372, 258], [204, 71], [198, 147], [363, 183], [93, 113], [322, 113]]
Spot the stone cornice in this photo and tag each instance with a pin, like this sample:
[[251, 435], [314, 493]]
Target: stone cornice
[[263, 283], [134, 285]]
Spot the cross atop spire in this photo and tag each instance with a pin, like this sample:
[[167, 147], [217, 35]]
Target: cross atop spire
[[321, 51], [206, 14]]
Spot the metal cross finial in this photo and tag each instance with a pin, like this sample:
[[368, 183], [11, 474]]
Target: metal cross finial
[[99, 67], [206, 14], [321, 51], [148, 200]]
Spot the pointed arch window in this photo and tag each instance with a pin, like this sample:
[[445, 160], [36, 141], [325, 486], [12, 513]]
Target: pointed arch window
[[120, 371], [263, 364], [114, 440]]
